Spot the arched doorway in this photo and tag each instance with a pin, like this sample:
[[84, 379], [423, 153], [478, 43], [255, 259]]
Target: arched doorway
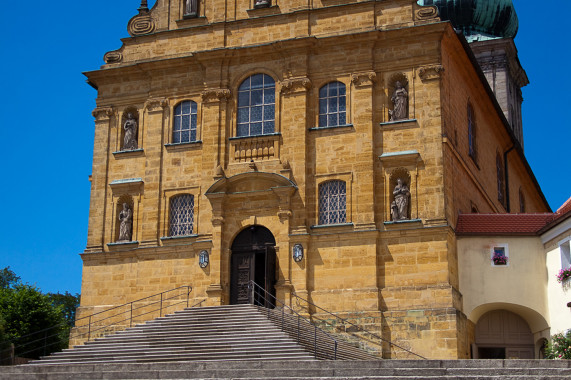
[[501, 334], [253, 259]]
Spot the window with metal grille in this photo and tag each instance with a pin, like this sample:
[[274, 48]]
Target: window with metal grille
[[332, 202], [181, 215], [184, 128], [256, 106], [500, 175], [332, 105], [471, 133]]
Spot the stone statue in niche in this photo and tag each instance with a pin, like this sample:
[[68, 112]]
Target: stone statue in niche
[[191, 8], [130, 127], [400, 101], [261, 3], [126, 226], [399, 207]]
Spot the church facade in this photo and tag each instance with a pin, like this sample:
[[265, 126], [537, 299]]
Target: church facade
[[323, 149]]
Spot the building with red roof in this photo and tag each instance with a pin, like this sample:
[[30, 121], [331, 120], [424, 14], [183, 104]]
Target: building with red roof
[[510, 278]]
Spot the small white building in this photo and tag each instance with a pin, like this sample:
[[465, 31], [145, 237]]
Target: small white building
[[508, 266]]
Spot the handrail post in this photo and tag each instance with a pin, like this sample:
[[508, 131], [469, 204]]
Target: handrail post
[[187, 295], [315, 341], [45, 341], [161, 308], [298, 322], [283, 315], [335, 357], [131, 317], [89, 329]]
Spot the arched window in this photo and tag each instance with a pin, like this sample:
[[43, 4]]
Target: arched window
[[181, 216], [256, 106], [500, 175], [332, 202], [332, 105], [521, 201], [471, 132], [184, 128]]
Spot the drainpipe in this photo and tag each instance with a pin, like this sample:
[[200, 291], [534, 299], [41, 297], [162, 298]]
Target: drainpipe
[[507, 178]]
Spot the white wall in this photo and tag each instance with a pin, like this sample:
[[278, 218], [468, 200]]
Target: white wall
[[559, 294]]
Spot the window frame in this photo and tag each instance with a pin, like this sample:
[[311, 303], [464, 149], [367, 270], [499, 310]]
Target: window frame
[[170, 226], [506, 254], [341, 216], [327, 97], [500, 179], [190, 129], [266, 90], [472, 135]]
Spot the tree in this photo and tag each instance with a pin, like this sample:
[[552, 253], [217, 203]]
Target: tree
[[36, 323], [68, 302], [8, 278]]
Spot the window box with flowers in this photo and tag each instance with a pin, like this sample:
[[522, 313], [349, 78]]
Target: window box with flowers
[[499, 255], [564, 275]]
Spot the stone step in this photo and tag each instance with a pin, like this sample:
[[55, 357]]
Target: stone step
[[153, 358], [174, 341], [157, 336], [183, 347], [324, 371]]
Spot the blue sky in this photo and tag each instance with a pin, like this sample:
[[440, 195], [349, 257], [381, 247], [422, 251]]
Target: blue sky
[[47, 128]]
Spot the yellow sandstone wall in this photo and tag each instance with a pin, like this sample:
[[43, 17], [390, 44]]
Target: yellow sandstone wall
[[399, 280]]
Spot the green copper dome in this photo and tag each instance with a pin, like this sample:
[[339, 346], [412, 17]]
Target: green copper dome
[[478, 19]]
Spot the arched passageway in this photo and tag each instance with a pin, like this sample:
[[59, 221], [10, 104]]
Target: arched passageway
[[501, 334]]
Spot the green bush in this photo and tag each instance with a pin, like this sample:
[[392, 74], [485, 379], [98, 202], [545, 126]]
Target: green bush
[[559, 347]]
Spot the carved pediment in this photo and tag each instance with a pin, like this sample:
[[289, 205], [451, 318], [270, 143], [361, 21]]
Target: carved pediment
[[250, 182]]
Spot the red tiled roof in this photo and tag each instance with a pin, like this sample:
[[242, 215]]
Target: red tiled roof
[[565, 207], [511, 224], [501, 224]]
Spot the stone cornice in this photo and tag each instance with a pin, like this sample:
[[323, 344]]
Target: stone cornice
[[102, 114], [430, 72], [156, 104], [293, 85], [363, 79], [211, 95]]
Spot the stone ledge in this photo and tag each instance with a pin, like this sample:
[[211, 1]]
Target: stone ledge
[[409, 223], [327, 226], [254, 136], [343, 127], [123, 245], [183, 146], [170, 240], [400, 124], [129, 153]]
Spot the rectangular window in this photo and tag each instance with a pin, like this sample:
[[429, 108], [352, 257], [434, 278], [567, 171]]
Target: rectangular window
[[499, 255], [565, 255]]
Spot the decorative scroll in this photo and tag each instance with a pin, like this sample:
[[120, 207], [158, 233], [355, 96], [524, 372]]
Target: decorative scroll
[[102, 113], [215, 95], [114, 56], [430, 72], [363, 79], [141, 24], [255, 148], [289, 86], [425, 14]]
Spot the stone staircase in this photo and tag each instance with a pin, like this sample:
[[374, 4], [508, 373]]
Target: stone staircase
[[247, 342], [302, 369], [237, 332]]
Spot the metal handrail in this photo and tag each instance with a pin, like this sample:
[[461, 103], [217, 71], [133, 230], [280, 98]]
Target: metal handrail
[[343, 320], [45, 336], [253, 288]]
